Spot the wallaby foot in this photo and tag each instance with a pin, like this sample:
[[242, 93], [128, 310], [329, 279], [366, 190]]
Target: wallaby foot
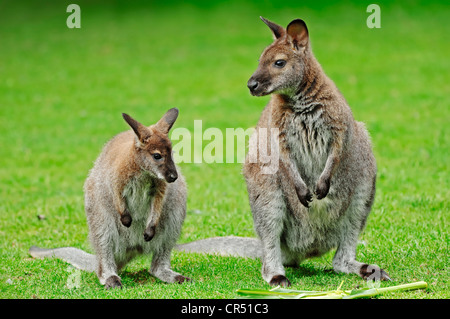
[[280, 280], [113, 282], [373, 272], [365, 271], [180, 279]]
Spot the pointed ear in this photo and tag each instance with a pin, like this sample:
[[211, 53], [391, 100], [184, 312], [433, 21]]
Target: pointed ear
[[278, 31], [141, 131], [166, 122], [298, 33]]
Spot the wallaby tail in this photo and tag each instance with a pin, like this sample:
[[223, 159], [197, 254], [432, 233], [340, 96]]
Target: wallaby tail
[[74, 256], [225, 246]]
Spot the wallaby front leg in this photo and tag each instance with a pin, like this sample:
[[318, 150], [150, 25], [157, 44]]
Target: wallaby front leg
[[121, 208], [323, 184], [155, 211], [292, 172]]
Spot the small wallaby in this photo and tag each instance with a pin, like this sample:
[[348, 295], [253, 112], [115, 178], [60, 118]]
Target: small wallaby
[[323, 191], [135, 203]]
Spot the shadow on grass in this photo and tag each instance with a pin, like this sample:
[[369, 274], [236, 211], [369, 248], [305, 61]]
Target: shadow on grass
[[139, 277]]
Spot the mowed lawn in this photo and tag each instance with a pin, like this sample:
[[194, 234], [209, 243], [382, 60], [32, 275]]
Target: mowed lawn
[[62, 92]]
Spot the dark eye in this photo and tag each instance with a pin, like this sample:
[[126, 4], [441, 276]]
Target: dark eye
[[157, 156], [280, 63]]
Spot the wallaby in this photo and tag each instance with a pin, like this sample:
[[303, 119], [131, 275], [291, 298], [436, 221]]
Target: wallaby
[[323, 191], [135, 203]]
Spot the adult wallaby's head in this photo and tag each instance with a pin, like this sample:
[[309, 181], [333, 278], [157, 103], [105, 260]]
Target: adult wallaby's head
[[153, 146], [283, 63]]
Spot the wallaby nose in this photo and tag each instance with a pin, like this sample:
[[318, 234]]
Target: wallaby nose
[[252, 84], [172, 177]]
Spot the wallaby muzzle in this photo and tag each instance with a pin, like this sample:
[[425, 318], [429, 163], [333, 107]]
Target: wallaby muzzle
[[258, 85], [171, 177], [171, 174]]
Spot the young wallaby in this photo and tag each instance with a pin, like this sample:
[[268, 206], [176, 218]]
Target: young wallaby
[[323, 191], [135, 203]]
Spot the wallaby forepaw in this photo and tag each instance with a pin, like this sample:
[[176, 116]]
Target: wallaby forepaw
[[149, 233], [113, 282], [180, 279], [280, 280], [322, 188], [374, 273], [304, 195], [126, 219]]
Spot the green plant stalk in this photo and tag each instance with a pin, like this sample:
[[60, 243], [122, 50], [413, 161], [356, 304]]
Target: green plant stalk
[[333, 294], [377, 291]]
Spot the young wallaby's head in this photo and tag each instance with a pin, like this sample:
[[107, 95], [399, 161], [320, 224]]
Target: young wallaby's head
[[153, 146], [283, 63]]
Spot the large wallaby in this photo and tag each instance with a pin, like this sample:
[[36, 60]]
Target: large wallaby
[[323, 191], [135, 202]]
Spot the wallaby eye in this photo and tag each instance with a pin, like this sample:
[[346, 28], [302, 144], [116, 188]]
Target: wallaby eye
[[157, 156], [280, 63]]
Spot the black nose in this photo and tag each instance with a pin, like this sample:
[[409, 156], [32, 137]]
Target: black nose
[[172, 177], [252, 84]]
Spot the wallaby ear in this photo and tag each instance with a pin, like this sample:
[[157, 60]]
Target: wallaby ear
[[278, 31], [141, 131], [166, 122], [298, 32]]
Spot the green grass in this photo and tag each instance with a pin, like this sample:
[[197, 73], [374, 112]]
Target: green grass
[[62, 92]]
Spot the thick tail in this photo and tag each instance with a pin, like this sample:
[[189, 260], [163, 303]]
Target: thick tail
[[225, 246], [74, 256]]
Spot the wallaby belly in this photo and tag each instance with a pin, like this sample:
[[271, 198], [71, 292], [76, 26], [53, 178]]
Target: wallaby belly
[[129, 241], [312, 233]]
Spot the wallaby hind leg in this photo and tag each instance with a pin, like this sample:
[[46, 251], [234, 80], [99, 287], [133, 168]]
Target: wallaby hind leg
[[107, 266], [272, 269], [160, 268], [345, 258], [107, 272], [268, 218]]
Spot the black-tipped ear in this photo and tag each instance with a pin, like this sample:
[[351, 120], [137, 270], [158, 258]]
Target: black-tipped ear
[[278, 31], [142, 132], [298, 32], [166, 122]]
